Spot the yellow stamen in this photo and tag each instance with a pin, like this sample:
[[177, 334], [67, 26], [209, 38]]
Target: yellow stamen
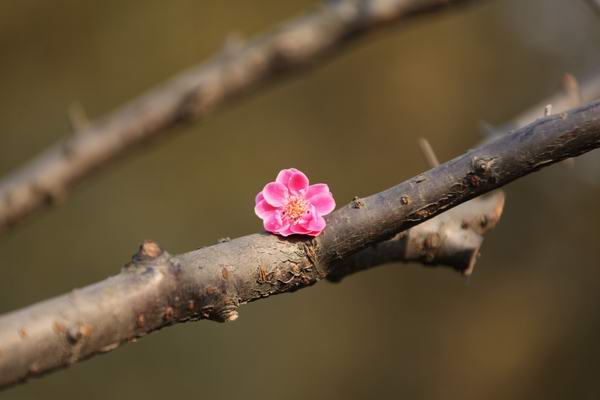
[[295, 208]]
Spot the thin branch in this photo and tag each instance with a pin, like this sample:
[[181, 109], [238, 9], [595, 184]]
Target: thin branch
[[302, 43], [572, 90], [428, 153], [77, 117], [594, 4], [452, 239], [156, 289], [573, 94]]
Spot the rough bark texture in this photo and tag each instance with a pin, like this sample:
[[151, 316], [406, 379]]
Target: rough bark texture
[[451, 239], [573, 94], [290, 47], [497, 163], [157, 289]]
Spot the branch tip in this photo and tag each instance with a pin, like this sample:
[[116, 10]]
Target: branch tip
[[428, 153], [468, 271], [571, 86], [232, 316], [77, 117], [357, 202], [148, 250]]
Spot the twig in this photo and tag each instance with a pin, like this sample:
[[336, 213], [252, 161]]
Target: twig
[[291, 47], [77, 118], [156, 289], [451, 239], [573, 94], [572, 90], [428, 153], [594, 4]]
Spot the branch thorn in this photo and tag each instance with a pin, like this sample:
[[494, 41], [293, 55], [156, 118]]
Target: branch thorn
[[77, 117], [428, 153]]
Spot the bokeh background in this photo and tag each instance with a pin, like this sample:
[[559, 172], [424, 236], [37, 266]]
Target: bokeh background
[[525, 325]]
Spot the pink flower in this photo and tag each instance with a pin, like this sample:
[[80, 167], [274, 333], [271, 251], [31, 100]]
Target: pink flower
[[290, 206]]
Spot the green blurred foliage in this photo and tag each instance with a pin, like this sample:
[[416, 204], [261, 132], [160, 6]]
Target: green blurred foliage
[[524, 326]]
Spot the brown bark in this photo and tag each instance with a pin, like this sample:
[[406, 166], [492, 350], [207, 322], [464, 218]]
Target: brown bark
[[452, 239], [157, 289]]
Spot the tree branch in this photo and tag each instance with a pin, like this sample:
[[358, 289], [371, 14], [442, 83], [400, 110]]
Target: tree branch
[[594, 4], [156, 289], [452, 239], [290, 47]]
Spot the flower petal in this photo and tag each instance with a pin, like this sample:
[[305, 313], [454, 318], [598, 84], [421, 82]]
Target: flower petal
[[323, 203], [284, 175], [259, 197], [274, 223], [298, 182], [269, 204], [285, 232], [316, 189], [316, 224], [264, 210], [275, 194], [298, 228]]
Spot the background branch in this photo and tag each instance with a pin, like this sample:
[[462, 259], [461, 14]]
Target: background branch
[[594, 4], [451, 239], [156, 290], [293, 46]]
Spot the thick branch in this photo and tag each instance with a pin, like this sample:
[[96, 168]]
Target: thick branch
[[452, 239], [157, 289], [293, 46]]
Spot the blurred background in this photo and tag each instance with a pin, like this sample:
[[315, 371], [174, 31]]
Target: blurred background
[[525, 325]]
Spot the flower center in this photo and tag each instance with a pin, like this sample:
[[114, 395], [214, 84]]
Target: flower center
[[295, 208]]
